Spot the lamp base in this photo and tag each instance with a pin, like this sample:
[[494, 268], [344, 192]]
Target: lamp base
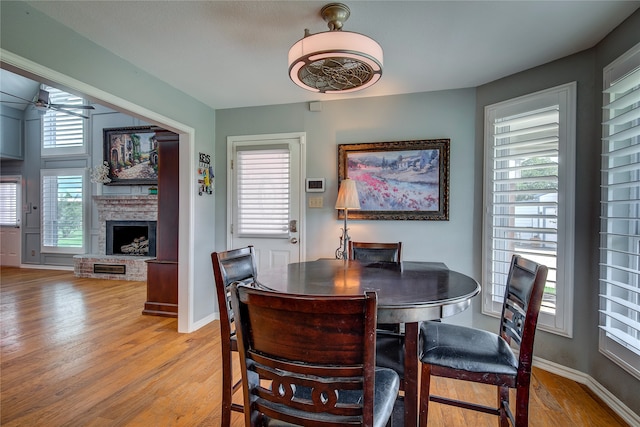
[[343, 250]]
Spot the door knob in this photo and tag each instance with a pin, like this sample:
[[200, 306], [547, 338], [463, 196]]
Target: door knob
[[294, 240]]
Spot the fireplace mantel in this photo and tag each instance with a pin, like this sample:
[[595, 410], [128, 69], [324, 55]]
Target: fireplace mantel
[[126, 205]]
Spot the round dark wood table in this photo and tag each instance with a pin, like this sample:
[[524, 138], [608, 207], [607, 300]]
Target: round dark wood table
[[408, 292]]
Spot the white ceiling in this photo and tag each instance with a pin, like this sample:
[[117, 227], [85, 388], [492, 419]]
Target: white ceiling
[[234, 53]]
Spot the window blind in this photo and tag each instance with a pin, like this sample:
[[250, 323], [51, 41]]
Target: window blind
[[62, 130], [9, 213], [620, 217], [263, 189], [525, 196], [62, 209]]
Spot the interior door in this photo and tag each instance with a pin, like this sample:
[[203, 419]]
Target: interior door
[[265, 199]]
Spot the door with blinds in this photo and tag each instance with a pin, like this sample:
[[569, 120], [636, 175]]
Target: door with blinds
[[10, 236], [264, 197]]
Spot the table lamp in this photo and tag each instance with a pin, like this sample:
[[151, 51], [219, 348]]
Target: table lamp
[[347, 199]]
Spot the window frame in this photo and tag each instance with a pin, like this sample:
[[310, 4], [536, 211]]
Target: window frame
[[82, 172], [63, 151], [609, 346], [560, 323]]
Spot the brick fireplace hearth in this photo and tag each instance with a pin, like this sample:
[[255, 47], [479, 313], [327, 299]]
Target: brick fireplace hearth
[[117, 267]]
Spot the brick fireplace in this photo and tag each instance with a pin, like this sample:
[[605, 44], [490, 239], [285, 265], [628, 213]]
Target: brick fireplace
[[119, 263]]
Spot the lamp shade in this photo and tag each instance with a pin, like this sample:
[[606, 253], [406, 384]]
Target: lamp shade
[[335, 61], [348, 195]]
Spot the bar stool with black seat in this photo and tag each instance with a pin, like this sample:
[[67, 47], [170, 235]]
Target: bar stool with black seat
[[310, 360], [470, 354], [371, 251], [236, 265]]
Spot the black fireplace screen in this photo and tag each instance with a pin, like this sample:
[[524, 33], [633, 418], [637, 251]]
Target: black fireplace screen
[[136, 238]]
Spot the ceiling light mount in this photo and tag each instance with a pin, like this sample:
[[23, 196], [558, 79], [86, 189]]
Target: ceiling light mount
[[335, 61], [335, 14]]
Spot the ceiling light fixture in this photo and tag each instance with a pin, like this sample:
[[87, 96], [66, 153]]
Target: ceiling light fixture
[[335, 61]]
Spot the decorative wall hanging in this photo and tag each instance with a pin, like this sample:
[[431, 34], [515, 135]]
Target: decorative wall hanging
[[403, 180], [132, 155], [205, 175]]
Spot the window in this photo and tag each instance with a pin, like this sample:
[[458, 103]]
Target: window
[[263, 188], [62, 210], [9, 204], [529, 203], [620, 214], [62, 133]]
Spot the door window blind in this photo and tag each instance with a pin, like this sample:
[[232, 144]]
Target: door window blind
[[9, 213], [263, 189], [620, 215]]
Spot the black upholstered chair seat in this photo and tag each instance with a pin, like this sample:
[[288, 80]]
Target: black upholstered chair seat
[[466, 349], [386, 391]]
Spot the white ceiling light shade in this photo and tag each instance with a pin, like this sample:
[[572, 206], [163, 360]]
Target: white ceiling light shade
[[335, 61]]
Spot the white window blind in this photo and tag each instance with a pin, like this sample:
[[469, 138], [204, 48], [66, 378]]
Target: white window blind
[[9, 204], [620, 220], [263, 189], [62, 210], [525, 139], [62, 133]]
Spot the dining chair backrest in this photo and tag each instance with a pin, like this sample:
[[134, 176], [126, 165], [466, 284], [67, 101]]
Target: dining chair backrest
[[235, 265], [370, 251], [306, 360], [521, 306]]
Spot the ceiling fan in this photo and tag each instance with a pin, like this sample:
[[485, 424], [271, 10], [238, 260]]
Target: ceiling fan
[[43, 104]]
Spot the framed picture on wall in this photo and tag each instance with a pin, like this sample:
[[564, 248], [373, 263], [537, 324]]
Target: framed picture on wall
[[401, 180], [132, 155]]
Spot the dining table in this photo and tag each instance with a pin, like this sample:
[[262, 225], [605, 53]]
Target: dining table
[[408, 293]]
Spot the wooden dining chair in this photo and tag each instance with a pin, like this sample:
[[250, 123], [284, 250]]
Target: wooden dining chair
[[469, 354], [381, 252], [310, 360], [236, 265], [370, 251]]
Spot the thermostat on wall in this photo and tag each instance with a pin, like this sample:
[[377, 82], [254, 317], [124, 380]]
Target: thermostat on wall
[[315, 185]]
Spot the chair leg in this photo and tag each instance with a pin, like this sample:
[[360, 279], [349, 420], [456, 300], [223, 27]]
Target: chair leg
[[425, 386], [227, 394], [503, 400], [522, 406]]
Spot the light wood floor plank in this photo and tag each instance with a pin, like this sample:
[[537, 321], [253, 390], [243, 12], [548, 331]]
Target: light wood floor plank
[[79, 352]]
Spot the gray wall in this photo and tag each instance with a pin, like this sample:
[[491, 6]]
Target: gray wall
[[447, 114]]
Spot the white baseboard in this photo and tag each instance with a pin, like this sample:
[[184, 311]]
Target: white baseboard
[[200, 323], [47, 267], [609, 399]]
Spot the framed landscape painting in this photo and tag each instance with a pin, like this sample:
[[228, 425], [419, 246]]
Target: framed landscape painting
[[402, 180], [132, 155]]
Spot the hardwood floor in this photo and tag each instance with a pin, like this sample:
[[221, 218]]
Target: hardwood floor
[[78, 352]]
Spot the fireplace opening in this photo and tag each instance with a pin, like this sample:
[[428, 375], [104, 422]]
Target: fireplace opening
[[135, 238]]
